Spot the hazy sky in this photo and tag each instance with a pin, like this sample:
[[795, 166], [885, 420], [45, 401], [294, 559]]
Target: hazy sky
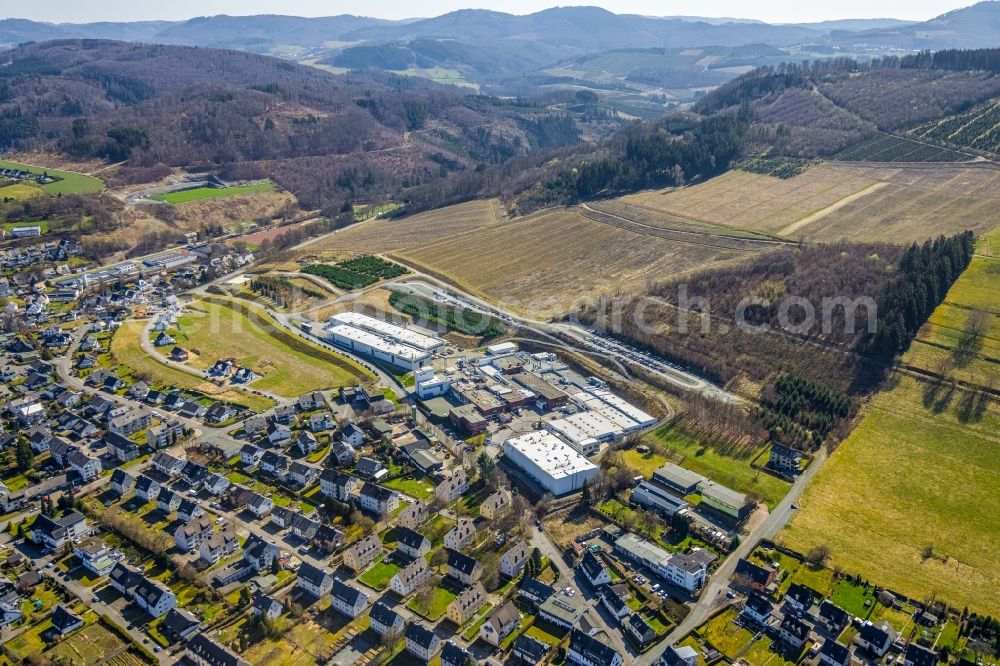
[[75, 11]]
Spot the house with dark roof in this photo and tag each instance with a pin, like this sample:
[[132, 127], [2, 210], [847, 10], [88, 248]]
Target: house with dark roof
[[615, 603], [639, 630], [348, 600], [535, 590], [302, 474], [305, 527], [463, 568], [800, 598], [314, 580], [876, 639], [757, 608], [529, 650], [466, 604], [411, 542], [753, 576], [370, 468], [411, 577], [421, 642], [384, 621], [179, 625], [306, 442], [167, 500], [452, 655], [586, 650], [259, 554], [794, 632], [121, 481], [338, 485], [52, 533], [328, 538], [363, 552], [147, 488], [189, 509], [834, 654], [64, 620], [832, 617], [917, 655], [204, 651], [593, 569], [378, 499]]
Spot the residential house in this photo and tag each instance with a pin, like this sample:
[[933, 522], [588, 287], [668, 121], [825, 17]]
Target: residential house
[[254, 425], [412, 516], [122, 482], [131, 422], [282, 516], [594, 570], [275, 463], [283, 414], [149, 595], [753, 576], [412, 543], [315, 581], [168, 464], [529, 650], [363, 552], [639, 629], [679, 656], [453, 487], [189, 509], [421, 642], [122, 448], [306, 442], [500, 625], [278, 433], [204, 651], [147, 488], [615, 603], [384, 621], [265, 606], [461, 535], [338, 485], [918, 655], [219, 412], [165, 434], [311, 401], [466, 604], [875, 638], [411, 577], [89, 468], [302, 474], [463, 568], [353, 435], [348, 600], [250, 455], [259, 554], [52, 533], [378, 499], [215, 483], [64, 620], [167, 500], [94, 555], [452, 655], [514, 558], [193, 533], [328, 538], [684, 571], [757, 608], [370, 468], [800, 599], [835, 654], [321, 421], [794, 632], [219, 545], [785, 459], [586, 650], [259, 505], [10, 605], [495, 505], [305, 528], [833, 618]]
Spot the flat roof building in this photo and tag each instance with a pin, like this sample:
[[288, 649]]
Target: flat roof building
[[677, 478], [555, 465]]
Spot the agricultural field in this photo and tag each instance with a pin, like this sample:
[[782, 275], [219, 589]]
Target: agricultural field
[[560, 258], [67, 182], [199, 193], [890, 148], [90, 645], [830, 202], [301, 645], [384, 235], [731, 469], [286, 364], [129, 357]]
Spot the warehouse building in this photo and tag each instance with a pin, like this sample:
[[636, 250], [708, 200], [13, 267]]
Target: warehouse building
[[556, 466], [382, 341]]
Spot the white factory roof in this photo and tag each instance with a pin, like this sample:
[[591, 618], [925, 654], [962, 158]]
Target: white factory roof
[[550, 454], [385, 329], [584, 426], [378, 342], [623, 406]]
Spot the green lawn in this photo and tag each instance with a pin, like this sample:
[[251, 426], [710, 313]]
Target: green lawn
[[198, 193], [727, 637], [286, 364], [43, 224], [379, 574], [436, 608], [69, 183], [852, 598], [735, 472], [420, 488]]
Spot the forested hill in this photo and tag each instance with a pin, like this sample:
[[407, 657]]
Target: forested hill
[[808, 110], [326, 138]]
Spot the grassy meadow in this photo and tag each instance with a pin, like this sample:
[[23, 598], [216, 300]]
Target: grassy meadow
[[68, 183], [199, 193]]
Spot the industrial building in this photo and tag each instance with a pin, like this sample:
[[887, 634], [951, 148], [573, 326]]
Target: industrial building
[[556, 466], [381, 340]]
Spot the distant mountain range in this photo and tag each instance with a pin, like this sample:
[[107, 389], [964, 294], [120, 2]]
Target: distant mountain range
[[511, 54]]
